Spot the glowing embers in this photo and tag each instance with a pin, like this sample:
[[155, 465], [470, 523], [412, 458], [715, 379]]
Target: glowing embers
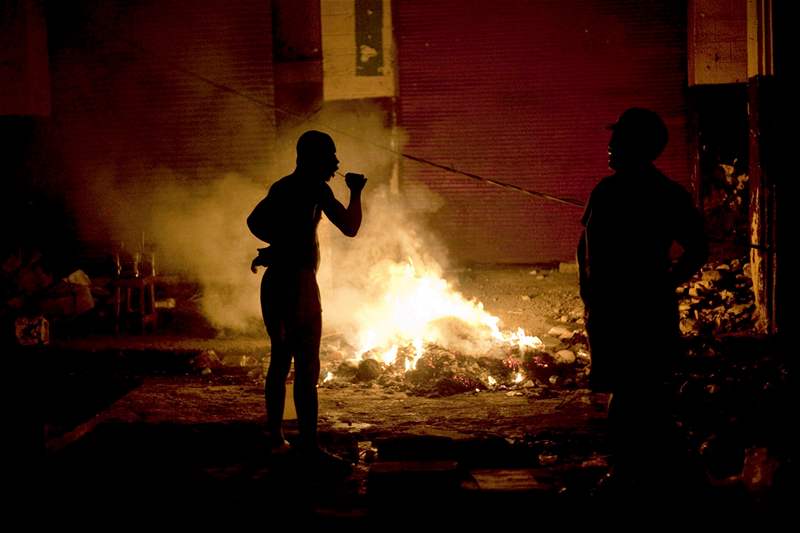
[[440, 372], [415, 330]]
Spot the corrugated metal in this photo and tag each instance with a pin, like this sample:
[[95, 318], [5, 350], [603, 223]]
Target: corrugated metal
[[521, 92], [129, 111]]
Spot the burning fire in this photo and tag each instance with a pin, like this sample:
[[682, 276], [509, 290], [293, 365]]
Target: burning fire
[[414, 307]]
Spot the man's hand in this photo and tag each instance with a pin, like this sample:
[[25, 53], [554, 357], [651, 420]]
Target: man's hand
[[355, 182], [263, 258]]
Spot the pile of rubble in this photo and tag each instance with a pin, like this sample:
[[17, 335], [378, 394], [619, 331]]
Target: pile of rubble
[[726, 203], [718, 299], [562, 362]]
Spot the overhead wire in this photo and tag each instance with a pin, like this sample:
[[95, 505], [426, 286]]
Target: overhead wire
[[309, 119]]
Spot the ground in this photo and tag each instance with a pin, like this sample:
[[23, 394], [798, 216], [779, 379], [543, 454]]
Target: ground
[[153, 411]]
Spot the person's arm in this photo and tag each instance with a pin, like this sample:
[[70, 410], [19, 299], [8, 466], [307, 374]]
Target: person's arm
[[583, 254], [264, 258], [348, 219], [259, 221], [583, 269], [692, 238]]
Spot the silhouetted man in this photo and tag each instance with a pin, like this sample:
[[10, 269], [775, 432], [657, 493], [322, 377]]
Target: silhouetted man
[[628, 282], [287, 219]]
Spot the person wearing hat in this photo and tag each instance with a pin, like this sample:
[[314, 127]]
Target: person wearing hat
[[287, 219], [628, 278]]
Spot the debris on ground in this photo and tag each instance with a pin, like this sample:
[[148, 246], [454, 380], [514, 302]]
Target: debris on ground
[[718, 299], [442, 372]]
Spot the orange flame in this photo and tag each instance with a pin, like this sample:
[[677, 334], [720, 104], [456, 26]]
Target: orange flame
[[417, 306]]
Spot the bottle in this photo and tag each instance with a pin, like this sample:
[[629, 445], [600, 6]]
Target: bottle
[[136, 262], [148, 264], [118, 260], [129, 263], [116, 264], [148, 259]]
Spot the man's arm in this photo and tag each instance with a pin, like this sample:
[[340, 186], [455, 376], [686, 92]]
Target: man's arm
[[583, 269], [582, 253], [348, 219], [259, 222], [692, 238]]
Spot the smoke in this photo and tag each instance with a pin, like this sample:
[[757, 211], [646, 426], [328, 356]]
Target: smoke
[[203, 234], [383, 287], [356, 272], [198, 227], [197, 230], [152, 154], [394, 230], [201, 231]]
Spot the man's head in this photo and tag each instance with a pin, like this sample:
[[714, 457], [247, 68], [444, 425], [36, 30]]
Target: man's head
[[316, 154], [638, 137]]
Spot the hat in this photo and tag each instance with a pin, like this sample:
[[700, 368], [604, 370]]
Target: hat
[[645, 127]]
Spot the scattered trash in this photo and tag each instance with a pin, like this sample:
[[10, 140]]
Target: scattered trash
[[207, 360], [368, 369], [546, 459], [167, 303], [565, 357], [367, 453], [759, 469], [558, 331], [718, 299], [568, 268], [32, 331]]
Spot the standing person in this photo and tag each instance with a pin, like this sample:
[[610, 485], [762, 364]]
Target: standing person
[[287, 219], [628, 282]]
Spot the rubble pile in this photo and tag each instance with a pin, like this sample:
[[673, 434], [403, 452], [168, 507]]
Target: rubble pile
[[532, 372], [726, 203], [718, 299]]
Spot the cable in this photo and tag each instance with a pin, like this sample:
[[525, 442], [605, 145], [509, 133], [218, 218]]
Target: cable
[[422, 160], [308, 119]]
